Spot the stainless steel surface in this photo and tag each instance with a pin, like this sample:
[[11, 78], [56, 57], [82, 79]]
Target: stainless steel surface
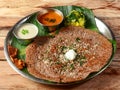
[[44, 11], [102, 28]]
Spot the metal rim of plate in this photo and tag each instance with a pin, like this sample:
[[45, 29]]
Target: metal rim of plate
[[103, 28]]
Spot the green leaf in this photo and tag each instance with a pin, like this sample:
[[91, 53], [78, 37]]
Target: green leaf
[[78, 39], [72, 67], [89, 16], [114, 44], [24, 31], [21, 49]]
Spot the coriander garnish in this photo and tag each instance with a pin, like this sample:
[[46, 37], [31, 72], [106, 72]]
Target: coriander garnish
[[63, 48], [72, 67], [24, 31], [78, 39], [81, 63], [81, 59], [58, 63]]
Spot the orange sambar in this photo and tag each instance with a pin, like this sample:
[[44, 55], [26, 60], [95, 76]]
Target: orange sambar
[[51, 18]]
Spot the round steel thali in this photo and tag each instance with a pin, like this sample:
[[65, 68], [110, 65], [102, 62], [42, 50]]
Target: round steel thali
[[103, 28]]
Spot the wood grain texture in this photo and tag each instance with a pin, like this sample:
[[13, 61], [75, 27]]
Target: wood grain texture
[[14, 10], [107, 80], [49, 3]]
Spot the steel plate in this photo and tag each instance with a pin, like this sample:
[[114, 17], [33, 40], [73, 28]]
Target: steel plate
[[103, 28]]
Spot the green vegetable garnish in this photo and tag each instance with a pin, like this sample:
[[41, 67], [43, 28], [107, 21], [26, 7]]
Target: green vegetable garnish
[[63, 48], [24, 31], [72, 66], [81, 63], [78, 39], [81, 59], [75, 18]]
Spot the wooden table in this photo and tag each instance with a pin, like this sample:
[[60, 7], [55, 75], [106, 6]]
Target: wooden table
[[13, 10]]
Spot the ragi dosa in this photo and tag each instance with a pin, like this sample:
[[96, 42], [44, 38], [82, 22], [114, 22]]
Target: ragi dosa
[[45, 57]]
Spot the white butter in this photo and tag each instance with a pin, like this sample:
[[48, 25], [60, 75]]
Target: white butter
[[70, 55]]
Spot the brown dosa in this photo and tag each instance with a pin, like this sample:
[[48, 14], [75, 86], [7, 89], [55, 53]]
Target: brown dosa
[[45, 56]]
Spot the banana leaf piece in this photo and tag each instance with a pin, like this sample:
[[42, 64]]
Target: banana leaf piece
[[89, 16]]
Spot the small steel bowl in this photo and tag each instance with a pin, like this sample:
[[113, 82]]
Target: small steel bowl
[[25, 41], [43, 12]]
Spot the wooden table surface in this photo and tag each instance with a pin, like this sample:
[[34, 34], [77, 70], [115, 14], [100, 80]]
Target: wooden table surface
[[12, 11]]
